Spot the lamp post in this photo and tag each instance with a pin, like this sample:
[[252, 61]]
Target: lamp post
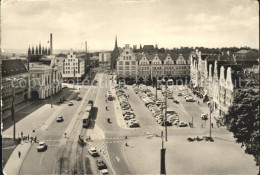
[[163, 151], [165, 112], [13, 105], [210, 111]]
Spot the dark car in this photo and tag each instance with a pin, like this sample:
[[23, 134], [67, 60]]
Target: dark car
[[175, 101], [79, 98], [101, 165]]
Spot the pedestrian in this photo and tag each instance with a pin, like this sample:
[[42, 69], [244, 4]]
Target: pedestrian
[[28, 137], [202, 125], [242, 145], [19, 154], [65, 134], [212, 125], [35, 139], [22, 134]]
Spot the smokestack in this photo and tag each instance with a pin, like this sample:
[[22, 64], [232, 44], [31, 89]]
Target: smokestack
[[86, 45], [51, 51]]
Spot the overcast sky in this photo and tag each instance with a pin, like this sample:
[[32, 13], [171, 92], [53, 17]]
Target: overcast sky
[[168, 23]]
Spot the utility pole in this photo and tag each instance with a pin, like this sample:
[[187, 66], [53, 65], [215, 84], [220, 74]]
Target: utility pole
[[1, 156], [51, 84], [163, 151], [73, 76], [210, 111], [12, 110], [156, 86], [165, 121]]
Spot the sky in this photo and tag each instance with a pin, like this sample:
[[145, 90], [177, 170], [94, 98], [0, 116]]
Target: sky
[[167, 23]]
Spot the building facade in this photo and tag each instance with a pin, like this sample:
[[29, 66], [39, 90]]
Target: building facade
[[127, 63], [45, 78], [150, 66], [14, 82], [217, 77], [73, 67]]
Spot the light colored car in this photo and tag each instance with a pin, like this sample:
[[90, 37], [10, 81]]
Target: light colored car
[[182, 124], [42, 146], [93, 152], [70, 103], [60, 119]]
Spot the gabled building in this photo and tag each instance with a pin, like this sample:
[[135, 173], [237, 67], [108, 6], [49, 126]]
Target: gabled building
[[73, 68], [152, 66]]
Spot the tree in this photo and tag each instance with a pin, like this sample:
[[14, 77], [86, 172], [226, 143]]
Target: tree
[[243, 121]]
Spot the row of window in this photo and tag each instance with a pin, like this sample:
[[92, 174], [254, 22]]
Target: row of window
[[69, 72]]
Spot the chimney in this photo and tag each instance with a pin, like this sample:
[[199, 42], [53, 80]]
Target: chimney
[[51, 50], [86, 46]]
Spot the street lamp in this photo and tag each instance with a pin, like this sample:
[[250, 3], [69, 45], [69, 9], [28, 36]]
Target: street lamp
[[12, 109]]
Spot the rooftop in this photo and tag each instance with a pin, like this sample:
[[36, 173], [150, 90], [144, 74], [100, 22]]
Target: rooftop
[[13, 67]]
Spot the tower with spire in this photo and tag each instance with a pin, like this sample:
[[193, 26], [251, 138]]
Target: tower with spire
[[114, 56]]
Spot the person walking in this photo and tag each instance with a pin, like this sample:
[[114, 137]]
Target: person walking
[[19, 154], [28, 137], [22, 134], [212, 125]]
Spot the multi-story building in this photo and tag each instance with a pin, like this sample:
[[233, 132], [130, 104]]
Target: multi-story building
[[73, 68], [45, 78], [14, 82], [217, 77], [150, 66], [104, 57], [127, 64]]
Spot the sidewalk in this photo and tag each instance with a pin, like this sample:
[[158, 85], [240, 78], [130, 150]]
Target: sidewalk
[[14, 163]]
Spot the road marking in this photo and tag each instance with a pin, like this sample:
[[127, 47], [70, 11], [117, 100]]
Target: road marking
[[118, 159], [41, 159]]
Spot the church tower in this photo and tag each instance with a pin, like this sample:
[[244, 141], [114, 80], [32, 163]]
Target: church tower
[[114, 56]]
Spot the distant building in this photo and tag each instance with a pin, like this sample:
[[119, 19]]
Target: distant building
[[73, 67], [148, 48], [14, 82], [114, 56], [149, 66], [104, 57]]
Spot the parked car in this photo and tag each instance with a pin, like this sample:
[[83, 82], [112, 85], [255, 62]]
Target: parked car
[[176, 101], [179, 94], [60, 119], [79, 98], [70, 103], [182, 124], [101, 164], [93, 152], [135, 124], [190, 100], [104, 171], [42, 146]]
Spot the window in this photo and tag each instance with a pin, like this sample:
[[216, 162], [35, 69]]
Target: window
[[133, 68], [121, 68], [121, 62], [133, 62], [127, 68], [127, 63], [129, 57]]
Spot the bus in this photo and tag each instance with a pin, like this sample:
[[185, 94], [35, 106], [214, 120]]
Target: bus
[[86, 119], [109, 96]]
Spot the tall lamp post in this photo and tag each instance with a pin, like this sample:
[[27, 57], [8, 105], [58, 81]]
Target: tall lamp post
[[210, 111], [13, 105], [163, 151], [165, 121]]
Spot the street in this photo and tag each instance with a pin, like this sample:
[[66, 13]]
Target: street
[[124, 150]]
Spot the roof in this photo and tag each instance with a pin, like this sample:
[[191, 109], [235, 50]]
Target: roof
[[13, 67], [242, 51], [148, 48]]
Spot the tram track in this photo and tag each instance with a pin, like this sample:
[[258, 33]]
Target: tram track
[[72, 157]]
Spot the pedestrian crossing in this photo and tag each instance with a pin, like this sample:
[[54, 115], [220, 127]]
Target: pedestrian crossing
[[101, 147]]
